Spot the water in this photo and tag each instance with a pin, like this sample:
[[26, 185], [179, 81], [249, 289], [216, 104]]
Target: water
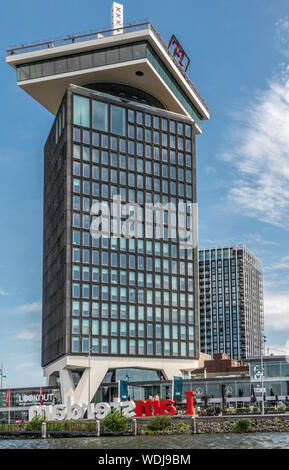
[[205, 441]]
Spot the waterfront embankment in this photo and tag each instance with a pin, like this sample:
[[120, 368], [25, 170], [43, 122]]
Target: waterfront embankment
[[226, 424], [179, 425]]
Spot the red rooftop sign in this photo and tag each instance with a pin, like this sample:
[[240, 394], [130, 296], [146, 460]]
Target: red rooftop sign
[[179, 53]]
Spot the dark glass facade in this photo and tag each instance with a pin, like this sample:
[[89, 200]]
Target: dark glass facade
[[112, 296], [231, 302]]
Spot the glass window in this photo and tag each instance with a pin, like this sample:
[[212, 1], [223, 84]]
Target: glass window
[[191, 349], [85, 344], [85, 327], [118, 121], [104, 328], [75, 308], [132, 347], [76, 273], [114, 346], [167, 348], [104, 345], [100, 116], [149, 330], [81, 111], [114, 328], [95, 327], [75, 344], [85, 309], [76, 151], [183, 349], [175, 348], [123, 346], [150, 348], [75, 326], [141, 331], [141, 348], [95, 345], [76, 290]]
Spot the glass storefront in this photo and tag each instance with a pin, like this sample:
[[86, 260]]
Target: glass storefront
[[275, 374]]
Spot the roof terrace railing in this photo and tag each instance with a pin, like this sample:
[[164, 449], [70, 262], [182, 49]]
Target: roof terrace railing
[[98, 34]]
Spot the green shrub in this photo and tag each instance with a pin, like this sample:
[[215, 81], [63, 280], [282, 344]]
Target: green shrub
[[182, 425], [116, 422], [159, 423], [243, 425], [35, 423], [147, 432]]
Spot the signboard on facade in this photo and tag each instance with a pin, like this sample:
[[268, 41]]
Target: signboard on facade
[[25, 399], [258, 372], [178, 387]]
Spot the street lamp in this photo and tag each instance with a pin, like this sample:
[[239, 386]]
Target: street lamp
[[262, 369], [89, 354]]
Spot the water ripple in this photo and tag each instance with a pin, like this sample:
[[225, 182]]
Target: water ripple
[[204, 441]]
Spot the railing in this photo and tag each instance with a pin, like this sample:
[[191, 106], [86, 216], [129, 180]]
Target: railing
[[125, 428], [74, 38], [71, 427], [66, 427], [89, 35]]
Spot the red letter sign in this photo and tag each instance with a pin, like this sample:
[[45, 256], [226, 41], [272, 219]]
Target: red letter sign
[[167, 408], [190, 403], [146, 405]]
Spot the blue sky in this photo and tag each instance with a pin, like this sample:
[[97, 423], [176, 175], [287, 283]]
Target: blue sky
[[239, 52]]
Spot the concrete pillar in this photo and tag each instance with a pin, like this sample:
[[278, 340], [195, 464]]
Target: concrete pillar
[[51, 381], [93, 376], [44, 431], [67, 384], [134, 427], [170, 372], [194, 425], [97, 428]]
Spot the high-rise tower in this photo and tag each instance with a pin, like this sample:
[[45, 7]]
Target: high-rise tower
[[231, 302], [126, 117]]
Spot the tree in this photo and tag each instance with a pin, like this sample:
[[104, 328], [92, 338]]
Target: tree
[[206, 398]]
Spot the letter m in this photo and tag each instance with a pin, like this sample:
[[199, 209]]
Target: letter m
[[145, 406], [39, 411]]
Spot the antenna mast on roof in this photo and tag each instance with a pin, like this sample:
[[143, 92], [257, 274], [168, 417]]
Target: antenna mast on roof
[[117, 18]]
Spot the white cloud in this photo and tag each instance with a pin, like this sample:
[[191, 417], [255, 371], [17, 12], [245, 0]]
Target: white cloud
[[2, 292], [28, 335], [256, 238], [210, 170], [33, 307], [282, 27], [277, 311], [260, 152], [26, 365], [31, 334]]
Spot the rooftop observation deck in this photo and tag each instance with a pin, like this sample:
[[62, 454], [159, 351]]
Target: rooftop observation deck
[[135, 55], [13, 52]]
